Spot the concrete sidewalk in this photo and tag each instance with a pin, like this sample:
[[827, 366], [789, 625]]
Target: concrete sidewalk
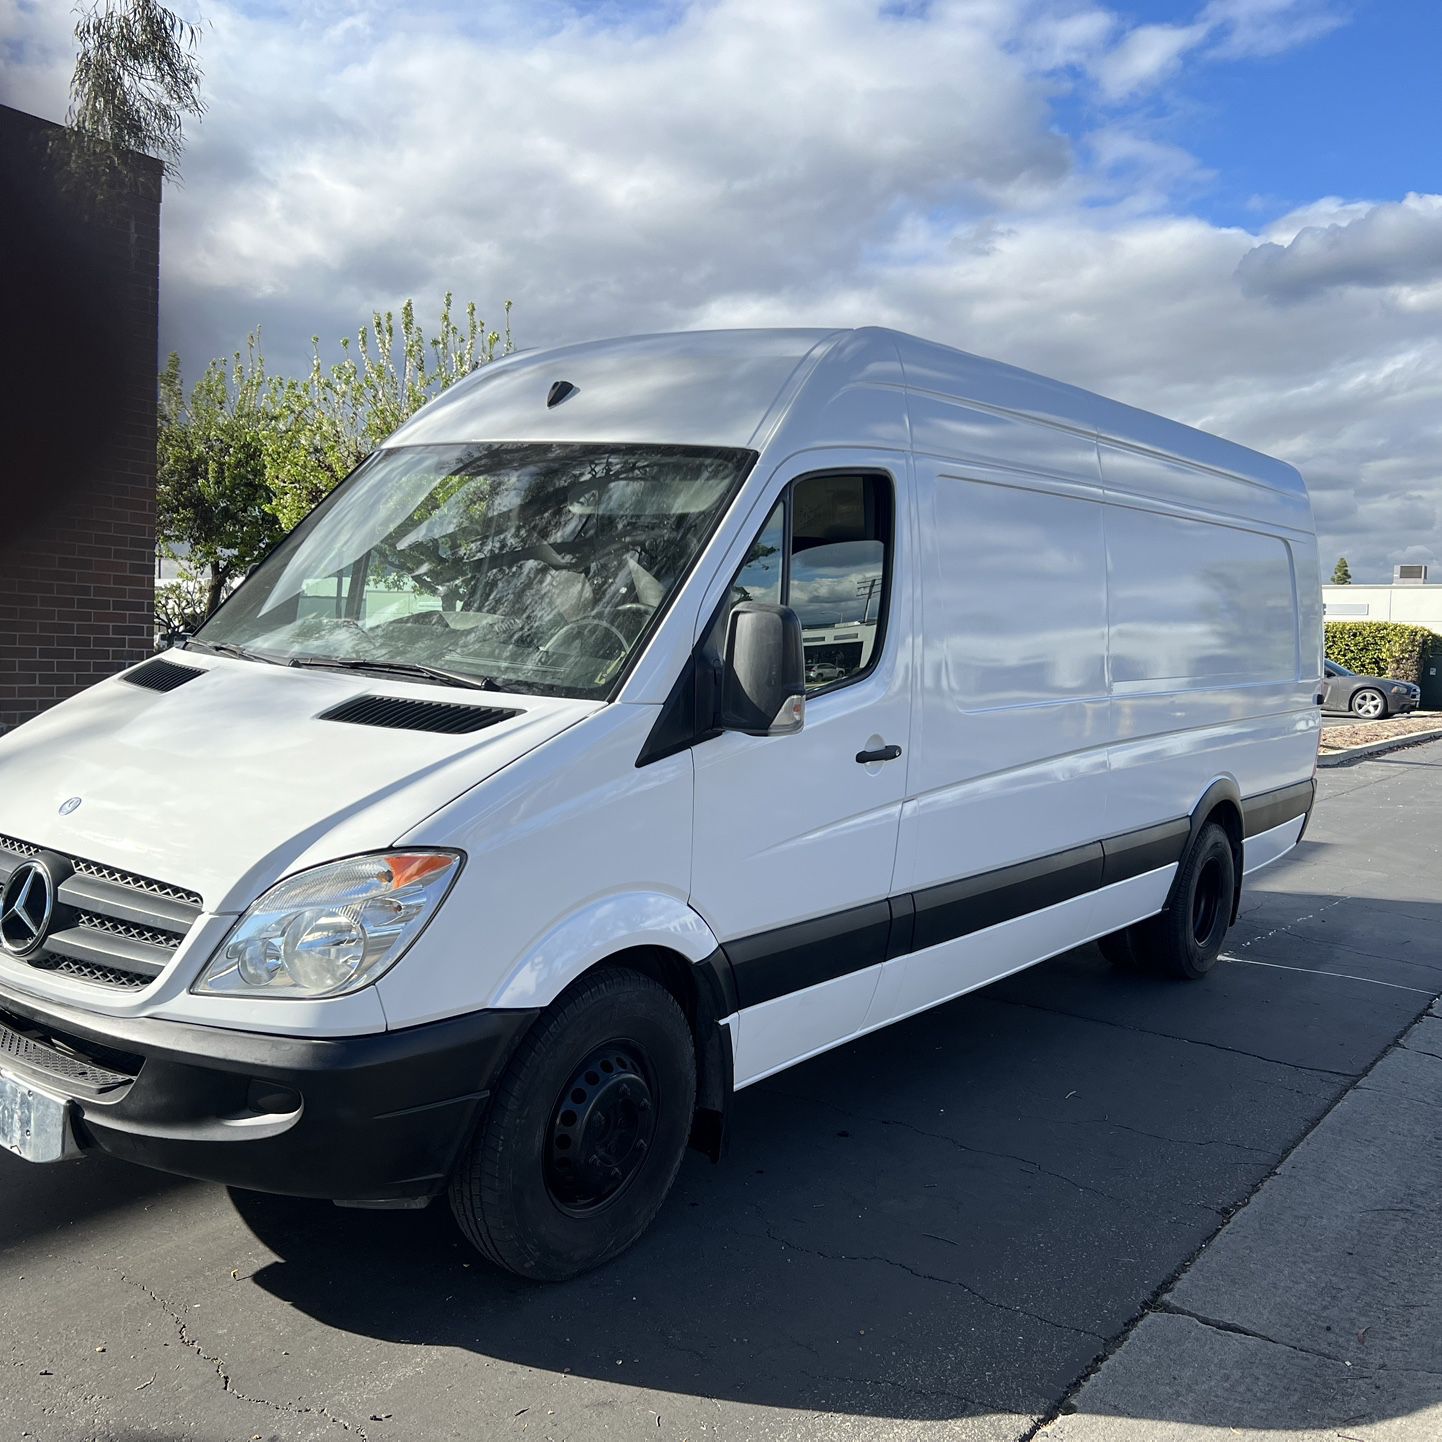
[[1317, 1311]]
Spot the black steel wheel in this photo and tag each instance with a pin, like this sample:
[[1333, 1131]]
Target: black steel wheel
[[584, 1133], [602, 1128], [1186, 939]]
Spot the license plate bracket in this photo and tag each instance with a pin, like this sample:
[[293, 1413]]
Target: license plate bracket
[[34, 1125]]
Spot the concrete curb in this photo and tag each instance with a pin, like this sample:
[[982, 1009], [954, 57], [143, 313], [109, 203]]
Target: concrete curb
[[1375, 748]]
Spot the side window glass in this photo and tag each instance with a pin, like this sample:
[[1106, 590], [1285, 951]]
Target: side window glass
[[841, 529], [834, 577], [760, 576]]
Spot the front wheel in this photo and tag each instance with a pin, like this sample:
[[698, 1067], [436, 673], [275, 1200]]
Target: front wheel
[[585, 1131], [1369, 704]]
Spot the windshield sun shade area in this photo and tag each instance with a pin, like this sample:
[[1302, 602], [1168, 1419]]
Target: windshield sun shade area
[[536, 567]]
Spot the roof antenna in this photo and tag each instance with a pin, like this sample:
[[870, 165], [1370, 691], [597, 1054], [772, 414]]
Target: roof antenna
[[560, 390]]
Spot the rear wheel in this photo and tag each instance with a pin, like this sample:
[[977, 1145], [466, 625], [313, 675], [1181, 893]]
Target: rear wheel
[[585, 1131], [1185, 939], [1371, 705]]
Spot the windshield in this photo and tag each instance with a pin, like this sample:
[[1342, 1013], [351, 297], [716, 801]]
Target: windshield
[[536, 566]]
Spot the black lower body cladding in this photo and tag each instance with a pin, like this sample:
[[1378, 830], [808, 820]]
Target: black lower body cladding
[[368, 1118]]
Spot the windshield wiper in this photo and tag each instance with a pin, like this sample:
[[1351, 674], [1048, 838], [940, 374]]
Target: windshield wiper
[[398, 668], [229, 648]]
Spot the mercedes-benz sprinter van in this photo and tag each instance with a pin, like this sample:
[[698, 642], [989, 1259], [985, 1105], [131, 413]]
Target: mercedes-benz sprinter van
[[643, 718]]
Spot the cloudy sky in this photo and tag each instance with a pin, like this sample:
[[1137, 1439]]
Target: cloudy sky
[[1223, 210]]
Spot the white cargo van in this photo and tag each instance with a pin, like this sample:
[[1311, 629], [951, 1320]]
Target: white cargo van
[[643, 718]]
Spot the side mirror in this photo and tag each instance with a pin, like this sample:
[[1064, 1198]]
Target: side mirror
[[763, 680]]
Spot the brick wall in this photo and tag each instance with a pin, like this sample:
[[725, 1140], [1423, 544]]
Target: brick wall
[[77, 451]]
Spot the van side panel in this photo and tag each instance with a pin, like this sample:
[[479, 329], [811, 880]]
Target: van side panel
[[1013, 698], [1309, 607], [1009, 741], [1204, 663]]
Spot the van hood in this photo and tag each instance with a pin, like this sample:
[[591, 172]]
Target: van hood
[[232, 780]]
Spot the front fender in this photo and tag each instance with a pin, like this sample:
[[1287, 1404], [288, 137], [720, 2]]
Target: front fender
[[599, 930]]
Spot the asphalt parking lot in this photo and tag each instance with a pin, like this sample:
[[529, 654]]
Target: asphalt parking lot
[[935, 1232]]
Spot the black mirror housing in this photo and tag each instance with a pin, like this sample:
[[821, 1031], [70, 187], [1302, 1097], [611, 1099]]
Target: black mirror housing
[[763, 678]]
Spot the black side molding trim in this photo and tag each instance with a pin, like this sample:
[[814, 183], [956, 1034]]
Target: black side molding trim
[[958, 908], [770, 964], [1138, 852], [1273, 808], [775, 963]]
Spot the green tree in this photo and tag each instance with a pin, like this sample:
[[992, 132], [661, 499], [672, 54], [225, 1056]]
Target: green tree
[[214, 506], [320, 428], [1342, 573], [135, 79]]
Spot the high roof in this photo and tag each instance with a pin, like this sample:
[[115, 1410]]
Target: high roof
[[690, 387], [747, 387]]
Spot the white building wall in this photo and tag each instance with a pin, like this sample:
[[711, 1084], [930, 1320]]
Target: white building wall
[[1412, 605]]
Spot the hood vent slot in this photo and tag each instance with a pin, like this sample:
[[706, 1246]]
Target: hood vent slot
[[402, 714], [162, 675]]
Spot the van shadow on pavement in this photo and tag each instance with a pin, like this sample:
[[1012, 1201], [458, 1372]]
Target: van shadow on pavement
[[951, 1217]]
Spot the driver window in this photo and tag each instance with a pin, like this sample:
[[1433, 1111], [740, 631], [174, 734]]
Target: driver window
[[833, 573], [840, 529]]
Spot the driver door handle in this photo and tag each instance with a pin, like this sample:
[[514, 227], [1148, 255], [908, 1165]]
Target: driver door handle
[[882, 753]]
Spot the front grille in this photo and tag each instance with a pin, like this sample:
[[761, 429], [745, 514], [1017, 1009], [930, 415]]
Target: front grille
[[111, 976], [110, 928], [128, 930], [44, 1056], [136, 883]]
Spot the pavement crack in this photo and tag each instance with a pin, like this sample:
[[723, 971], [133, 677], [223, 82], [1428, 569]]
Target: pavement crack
[[1420, 1050], [773, 1235], [188, 1339], [1185, 1040], [1172, 1309]]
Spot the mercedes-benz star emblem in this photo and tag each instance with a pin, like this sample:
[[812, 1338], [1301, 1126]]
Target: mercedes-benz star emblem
[[66, 807], [26, 904]]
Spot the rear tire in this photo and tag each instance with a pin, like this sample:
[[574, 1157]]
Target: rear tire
[[1185, 939], [585, 1131]]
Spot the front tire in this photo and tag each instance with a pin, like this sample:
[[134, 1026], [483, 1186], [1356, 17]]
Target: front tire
[[1369, 704], [585, 1131]]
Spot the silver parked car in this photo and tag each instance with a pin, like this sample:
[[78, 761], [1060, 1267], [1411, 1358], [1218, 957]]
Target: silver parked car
[[1370, 697]]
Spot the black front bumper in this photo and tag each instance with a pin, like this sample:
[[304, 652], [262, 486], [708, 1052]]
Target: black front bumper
[[367, 1118]]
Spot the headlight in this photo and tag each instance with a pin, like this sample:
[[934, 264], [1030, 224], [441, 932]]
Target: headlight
[[333, 929]]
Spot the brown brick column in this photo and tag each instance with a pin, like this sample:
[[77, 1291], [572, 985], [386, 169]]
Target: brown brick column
[[77, 446]]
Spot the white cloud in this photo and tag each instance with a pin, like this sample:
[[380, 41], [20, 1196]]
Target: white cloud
[[1147, 56], [819, 161], [1398, 245]]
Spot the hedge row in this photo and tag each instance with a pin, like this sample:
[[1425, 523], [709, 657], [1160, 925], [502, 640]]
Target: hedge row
[[1379, 648]]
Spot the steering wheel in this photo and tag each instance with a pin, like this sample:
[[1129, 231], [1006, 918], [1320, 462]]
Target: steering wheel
[[420, 618], [595, 623]]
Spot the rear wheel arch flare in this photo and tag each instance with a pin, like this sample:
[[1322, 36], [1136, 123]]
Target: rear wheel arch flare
[[1221, 803]]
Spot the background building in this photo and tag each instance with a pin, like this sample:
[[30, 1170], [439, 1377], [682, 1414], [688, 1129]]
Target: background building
[[77, 482]]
